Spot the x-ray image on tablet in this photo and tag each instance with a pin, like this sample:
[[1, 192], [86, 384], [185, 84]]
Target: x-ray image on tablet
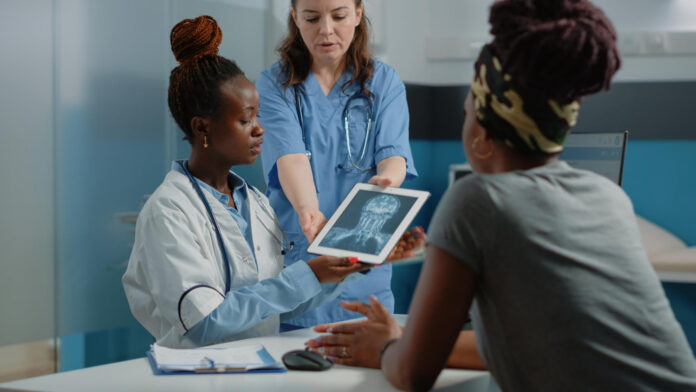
[[369, 223]]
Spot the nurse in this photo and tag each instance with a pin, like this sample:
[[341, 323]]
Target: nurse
[[207, 263], [334, 117]]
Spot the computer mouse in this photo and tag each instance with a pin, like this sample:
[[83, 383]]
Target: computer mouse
[[305, 360]]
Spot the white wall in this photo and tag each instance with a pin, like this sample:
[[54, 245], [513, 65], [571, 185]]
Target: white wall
[[86, 132], [409, 24], [26, 159]]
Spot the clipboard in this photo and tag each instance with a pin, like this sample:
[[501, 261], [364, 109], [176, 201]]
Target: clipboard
[[265, 363]]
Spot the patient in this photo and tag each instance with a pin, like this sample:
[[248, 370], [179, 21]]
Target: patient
[[565, 297]]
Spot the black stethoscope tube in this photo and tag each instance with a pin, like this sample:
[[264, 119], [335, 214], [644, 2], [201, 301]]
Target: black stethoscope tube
[[184, 166], [223, 250]]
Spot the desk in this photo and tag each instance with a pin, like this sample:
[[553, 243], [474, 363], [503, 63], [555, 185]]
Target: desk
[[136, 375], [681, 277]]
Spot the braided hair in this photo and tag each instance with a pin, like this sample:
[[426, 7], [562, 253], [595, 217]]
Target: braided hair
[[565, 49], [194, 85]]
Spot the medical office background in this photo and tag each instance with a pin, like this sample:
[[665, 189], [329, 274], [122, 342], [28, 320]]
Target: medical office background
[[86, 135]]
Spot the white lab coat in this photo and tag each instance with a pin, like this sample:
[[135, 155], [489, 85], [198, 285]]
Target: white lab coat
[[175, 275]]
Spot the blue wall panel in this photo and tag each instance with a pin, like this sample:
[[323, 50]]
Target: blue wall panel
[[660, 178]]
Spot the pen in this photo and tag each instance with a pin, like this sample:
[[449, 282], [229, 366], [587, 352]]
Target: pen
[[210, 368]]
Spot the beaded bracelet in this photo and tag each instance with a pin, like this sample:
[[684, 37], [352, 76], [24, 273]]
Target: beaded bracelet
[[384, 349]]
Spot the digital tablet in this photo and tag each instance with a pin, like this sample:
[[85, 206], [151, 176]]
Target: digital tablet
[[369, 223]]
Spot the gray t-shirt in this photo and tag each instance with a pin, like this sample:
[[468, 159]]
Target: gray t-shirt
[[567, 300]]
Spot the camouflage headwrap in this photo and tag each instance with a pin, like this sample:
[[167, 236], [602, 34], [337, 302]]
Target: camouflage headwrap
[[520, 116]]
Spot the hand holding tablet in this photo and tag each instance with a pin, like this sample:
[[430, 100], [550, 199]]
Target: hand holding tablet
[[368, 223], [411, 242]]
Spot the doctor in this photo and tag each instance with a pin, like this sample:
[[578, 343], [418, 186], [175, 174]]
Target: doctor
[[334, 117], [207, 263]]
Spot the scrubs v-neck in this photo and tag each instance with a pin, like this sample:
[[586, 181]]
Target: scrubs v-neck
[[333, 173]]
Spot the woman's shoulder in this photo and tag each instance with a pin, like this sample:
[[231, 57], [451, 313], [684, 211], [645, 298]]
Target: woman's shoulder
[[385, 81], [272, 73], [171, 195], [384, 72], [472, 182], [274, 69], [383, 68]]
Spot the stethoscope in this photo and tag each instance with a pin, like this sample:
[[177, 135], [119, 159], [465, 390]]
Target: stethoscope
[[285, 244], [346, 111]]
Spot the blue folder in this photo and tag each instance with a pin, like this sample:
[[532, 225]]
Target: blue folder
[[270, 366]]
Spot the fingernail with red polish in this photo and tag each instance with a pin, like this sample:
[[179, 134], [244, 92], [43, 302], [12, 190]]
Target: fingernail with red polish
[[352, 260]]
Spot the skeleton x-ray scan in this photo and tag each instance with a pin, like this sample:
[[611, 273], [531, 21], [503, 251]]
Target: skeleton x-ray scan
[[368, 223], [367, 235], [364, 226]]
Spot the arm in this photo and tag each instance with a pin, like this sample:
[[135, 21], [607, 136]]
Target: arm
[[285, 164], [328, 292], [297, 182], [465, 355], [246, 307], [364, 339], [296, 285], [415, 360], [392, 147], [391, 171], [185, 283]]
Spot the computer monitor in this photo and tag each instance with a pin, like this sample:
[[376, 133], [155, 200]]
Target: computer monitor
[[600, 152]]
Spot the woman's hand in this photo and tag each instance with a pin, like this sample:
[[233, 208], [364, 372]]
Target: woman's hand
[[391, 171], [332, 269], [357, 343], [410, 241], [311, 222], [380, 181]]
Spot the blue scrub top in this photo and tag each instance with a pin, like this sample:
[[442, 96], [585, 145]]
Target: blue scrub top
[[334, 175]]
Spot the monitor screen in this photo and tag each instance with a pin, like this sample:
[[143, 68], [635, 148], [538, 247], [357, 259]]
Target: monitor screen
[[602, 153]]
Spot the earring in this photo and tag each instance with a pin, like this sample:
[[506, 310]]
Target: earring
[[477, 154], [205, 141]]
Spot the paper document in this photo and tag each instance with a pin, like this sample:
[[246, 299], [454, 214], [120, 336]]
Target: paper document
[[205, 359]]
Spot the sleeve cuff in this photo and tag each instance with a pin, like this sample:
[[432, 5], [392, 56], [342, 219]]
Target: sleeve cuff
[[448, 247], [392, 151], [302, 277]]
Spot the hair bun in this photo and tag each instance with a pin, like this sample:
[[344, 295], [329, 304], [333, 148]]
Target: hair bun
[[194, 38], [563, 48]]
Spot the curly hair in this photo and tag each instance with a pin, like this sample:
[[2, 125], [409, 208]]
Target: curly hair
[[564, 49], [194, 85]]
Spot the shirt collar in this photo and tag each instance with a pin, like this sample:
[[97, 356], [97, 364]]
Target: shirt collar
[[311, 85], [238, 184]]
